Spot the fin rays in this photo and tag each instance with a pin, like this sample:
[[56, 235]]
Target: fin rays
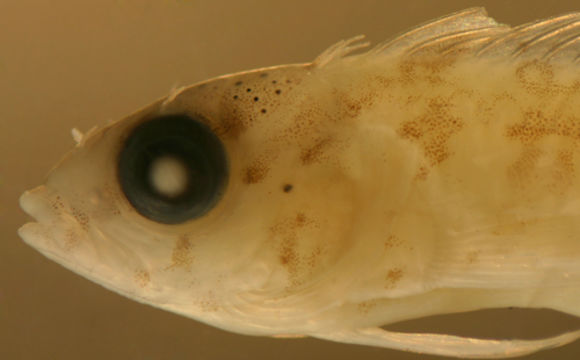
[[472, 31], [449, 345]]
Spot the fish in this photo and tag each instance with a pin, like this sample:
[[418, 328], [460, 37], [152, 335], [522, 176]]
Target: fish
[[435, 173]]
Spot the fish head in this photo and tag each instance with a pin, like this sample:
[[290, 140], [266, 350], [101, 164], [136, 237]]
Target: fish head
[[211, 199]]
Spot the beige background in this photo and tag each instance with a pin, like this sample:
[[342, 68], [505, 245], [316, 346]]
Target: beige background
[[66, 63]]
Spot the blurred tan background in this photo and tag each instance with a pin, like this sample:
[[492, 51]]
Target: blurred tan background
[[68, 63]]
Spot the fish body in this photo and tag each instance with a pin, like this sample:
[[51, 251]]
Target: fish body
[[435, 173]]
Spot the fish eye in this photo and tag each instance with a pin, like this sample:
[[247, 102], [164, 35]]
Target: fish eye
[[172, 168]]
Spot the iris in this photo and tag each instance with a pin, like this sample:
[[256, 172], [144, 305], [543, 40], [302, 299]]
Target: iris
[[173, 168]]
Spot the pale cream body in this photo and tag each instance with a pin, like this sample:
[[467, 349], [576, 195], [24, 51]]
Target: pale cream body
[[363, 190]]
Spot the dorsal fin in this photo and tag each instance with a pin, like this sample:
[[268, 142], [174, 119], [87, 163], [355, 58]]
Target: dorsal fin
[[472, 31], [470, 26], [340, 50], [557, 37]]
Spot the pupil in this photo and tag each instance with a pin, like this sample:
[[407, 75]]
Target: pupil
[[168, 176], [172, 168]]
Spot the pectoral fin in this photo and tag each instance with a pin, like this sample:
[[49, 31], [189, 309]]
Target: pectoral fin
[[448, 345]]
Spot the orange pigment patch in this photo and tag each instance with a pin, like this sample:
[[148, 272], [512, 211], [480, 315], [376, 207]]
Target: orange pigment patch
[[352, 106], [533, 128], [393, 277], [536, 125], [256, 172], [314, 153], [366, 306], [537, 78], [432, 131], [182, 255], [306, 123], [295, 262]]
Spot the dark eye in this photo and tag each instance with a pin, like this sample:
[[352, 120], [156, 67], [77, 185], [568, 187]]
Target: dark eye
[[172, 169]]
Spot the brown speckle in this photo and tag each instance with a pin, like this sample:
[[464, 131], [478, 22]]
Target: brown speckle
[[422, 173], [530, 131], [255, 173], [57, 204], [366, 306], [300, 219], [142, 278], [288, 256], [565, 169], [427, 67], [432, 130], [523, 169], [536, 125], [287, 188], [314, 153], [80, 217], [536, 77], [295, 261], [354, 106], [392, 242], [182, 255], [231, 125], [393, 277], [313, 259], [208, 303], [71, 239]]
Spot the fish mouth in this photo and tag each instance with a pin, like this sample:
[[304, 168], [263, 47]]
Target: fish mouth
[[42, 235], [59, 236]]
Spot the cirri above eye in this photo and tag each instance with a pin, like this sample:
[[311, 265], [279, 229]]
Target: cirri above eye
[[172, 169]]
